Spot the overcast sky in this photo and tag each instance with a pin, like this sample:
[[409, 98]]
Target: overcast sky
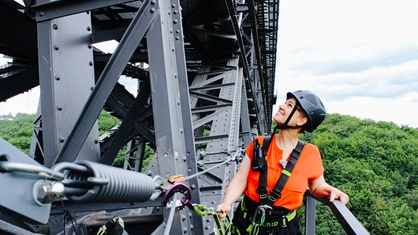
[[359, 56]]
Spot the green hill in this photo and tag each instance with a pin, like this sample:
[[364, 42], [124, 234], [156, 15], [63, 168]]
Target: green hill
[[374, 162]]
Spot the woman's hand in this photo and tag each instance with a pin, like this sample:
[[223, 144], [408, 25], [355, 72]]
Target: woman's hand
[[320, 188], [225, 208], [337, 194]]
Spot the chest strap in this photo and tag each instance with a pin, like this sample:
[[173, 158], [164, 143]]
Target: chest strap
[[276, 192]]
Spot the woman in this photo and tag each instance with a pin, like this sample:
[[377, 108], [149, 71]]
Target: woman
[[272, 209]]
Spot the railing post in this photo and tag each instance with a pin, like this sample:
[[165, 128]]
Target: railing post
[[310, 211]]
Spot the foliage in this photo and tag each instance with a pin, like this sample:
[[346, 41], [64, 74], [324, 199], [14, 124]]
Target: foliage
[[18, 130], [374, 162]]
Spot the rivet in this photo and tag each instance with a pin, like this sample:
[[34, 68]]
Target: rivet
[[56, 47], [59, 108], [175, 21], [57, 78], [55, 26], [61, 140], [90, 63], [152, 10], [88, 28]]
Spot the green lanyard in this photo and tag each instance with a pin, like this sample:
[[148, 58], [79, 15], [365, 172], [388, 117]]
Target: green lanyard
[[222, 227]]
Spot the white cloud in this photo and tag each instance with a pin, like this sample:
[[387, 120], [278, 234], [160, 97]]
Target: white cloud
[[350, 53], [402, 111]]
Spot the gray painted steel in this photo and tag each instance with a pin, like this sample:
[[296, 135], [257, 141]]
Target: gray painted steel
[[204, 73]]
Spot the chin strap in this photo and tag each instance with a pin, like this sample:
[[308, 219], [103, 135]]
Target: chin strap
[[285, 126]]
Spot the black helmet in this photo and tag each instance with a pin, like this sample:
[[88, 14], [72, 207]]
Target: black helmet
[[311, 106]]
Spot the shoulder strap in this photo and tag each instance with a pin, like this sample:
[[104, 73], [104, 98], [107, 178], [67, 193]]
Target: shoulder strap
[[276, 192], [262, 182]]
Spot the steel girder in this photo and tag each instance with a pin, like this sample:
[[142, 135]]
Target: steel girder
[[207, 90]]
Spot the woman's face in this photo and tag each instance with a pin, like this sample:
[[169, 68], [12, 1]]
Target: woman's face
[[285, 110]]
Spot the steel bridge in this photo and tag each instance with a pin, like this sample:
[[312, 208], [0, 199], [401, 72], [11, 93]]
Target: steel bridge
[[203, 72]]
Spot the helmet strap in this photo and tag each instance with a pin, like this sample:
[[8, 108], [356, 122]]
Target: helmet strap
[[284, 125]]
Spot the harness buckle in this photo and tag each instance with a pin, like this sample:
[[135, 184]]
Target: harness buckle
[[285, 220], [261, 190], [275, 193]]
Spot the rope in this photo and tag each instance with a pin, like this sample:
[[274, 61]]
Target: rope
[[222, 227], [171, 215], [181, 178]]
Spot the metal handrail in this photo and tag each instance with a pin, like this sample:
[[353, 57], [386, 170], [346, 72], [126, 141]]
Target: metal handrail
[[344, 216]]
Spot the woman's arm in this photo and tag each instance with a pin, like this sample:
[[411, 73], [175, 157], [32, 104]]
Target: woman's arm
[[320, 188], [235, 188]]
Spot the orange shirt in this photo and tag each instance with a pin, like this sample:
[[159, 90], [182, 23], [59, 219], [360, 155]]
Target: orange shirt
[[308, 167]]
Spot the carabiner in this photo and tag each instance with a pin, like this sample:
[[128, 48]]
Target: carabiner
[[183, 189], [263, 209]]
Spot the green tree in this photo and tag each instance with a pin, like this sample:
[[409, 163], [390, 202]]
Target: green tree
[[375, 163]]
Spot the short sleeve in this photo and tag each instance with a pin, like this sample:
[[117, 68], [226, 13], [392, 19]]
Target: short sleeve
[[317, 168]]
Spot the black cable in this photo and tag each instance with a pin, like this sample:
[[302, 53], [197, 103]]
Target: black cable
[[68, 213]]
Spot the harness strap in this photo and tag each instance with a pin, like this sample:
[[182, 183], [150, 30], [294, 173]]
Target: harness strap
[[261, 154], [254, 229], [245, 219], [276, 192]]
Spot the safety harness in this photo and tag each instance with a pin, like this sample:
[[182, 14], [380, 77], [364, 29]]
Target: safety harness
[[276, 192], [265, 207]]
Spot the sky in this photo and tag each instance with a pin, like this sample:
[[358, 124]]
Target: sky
[[359, 56]]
